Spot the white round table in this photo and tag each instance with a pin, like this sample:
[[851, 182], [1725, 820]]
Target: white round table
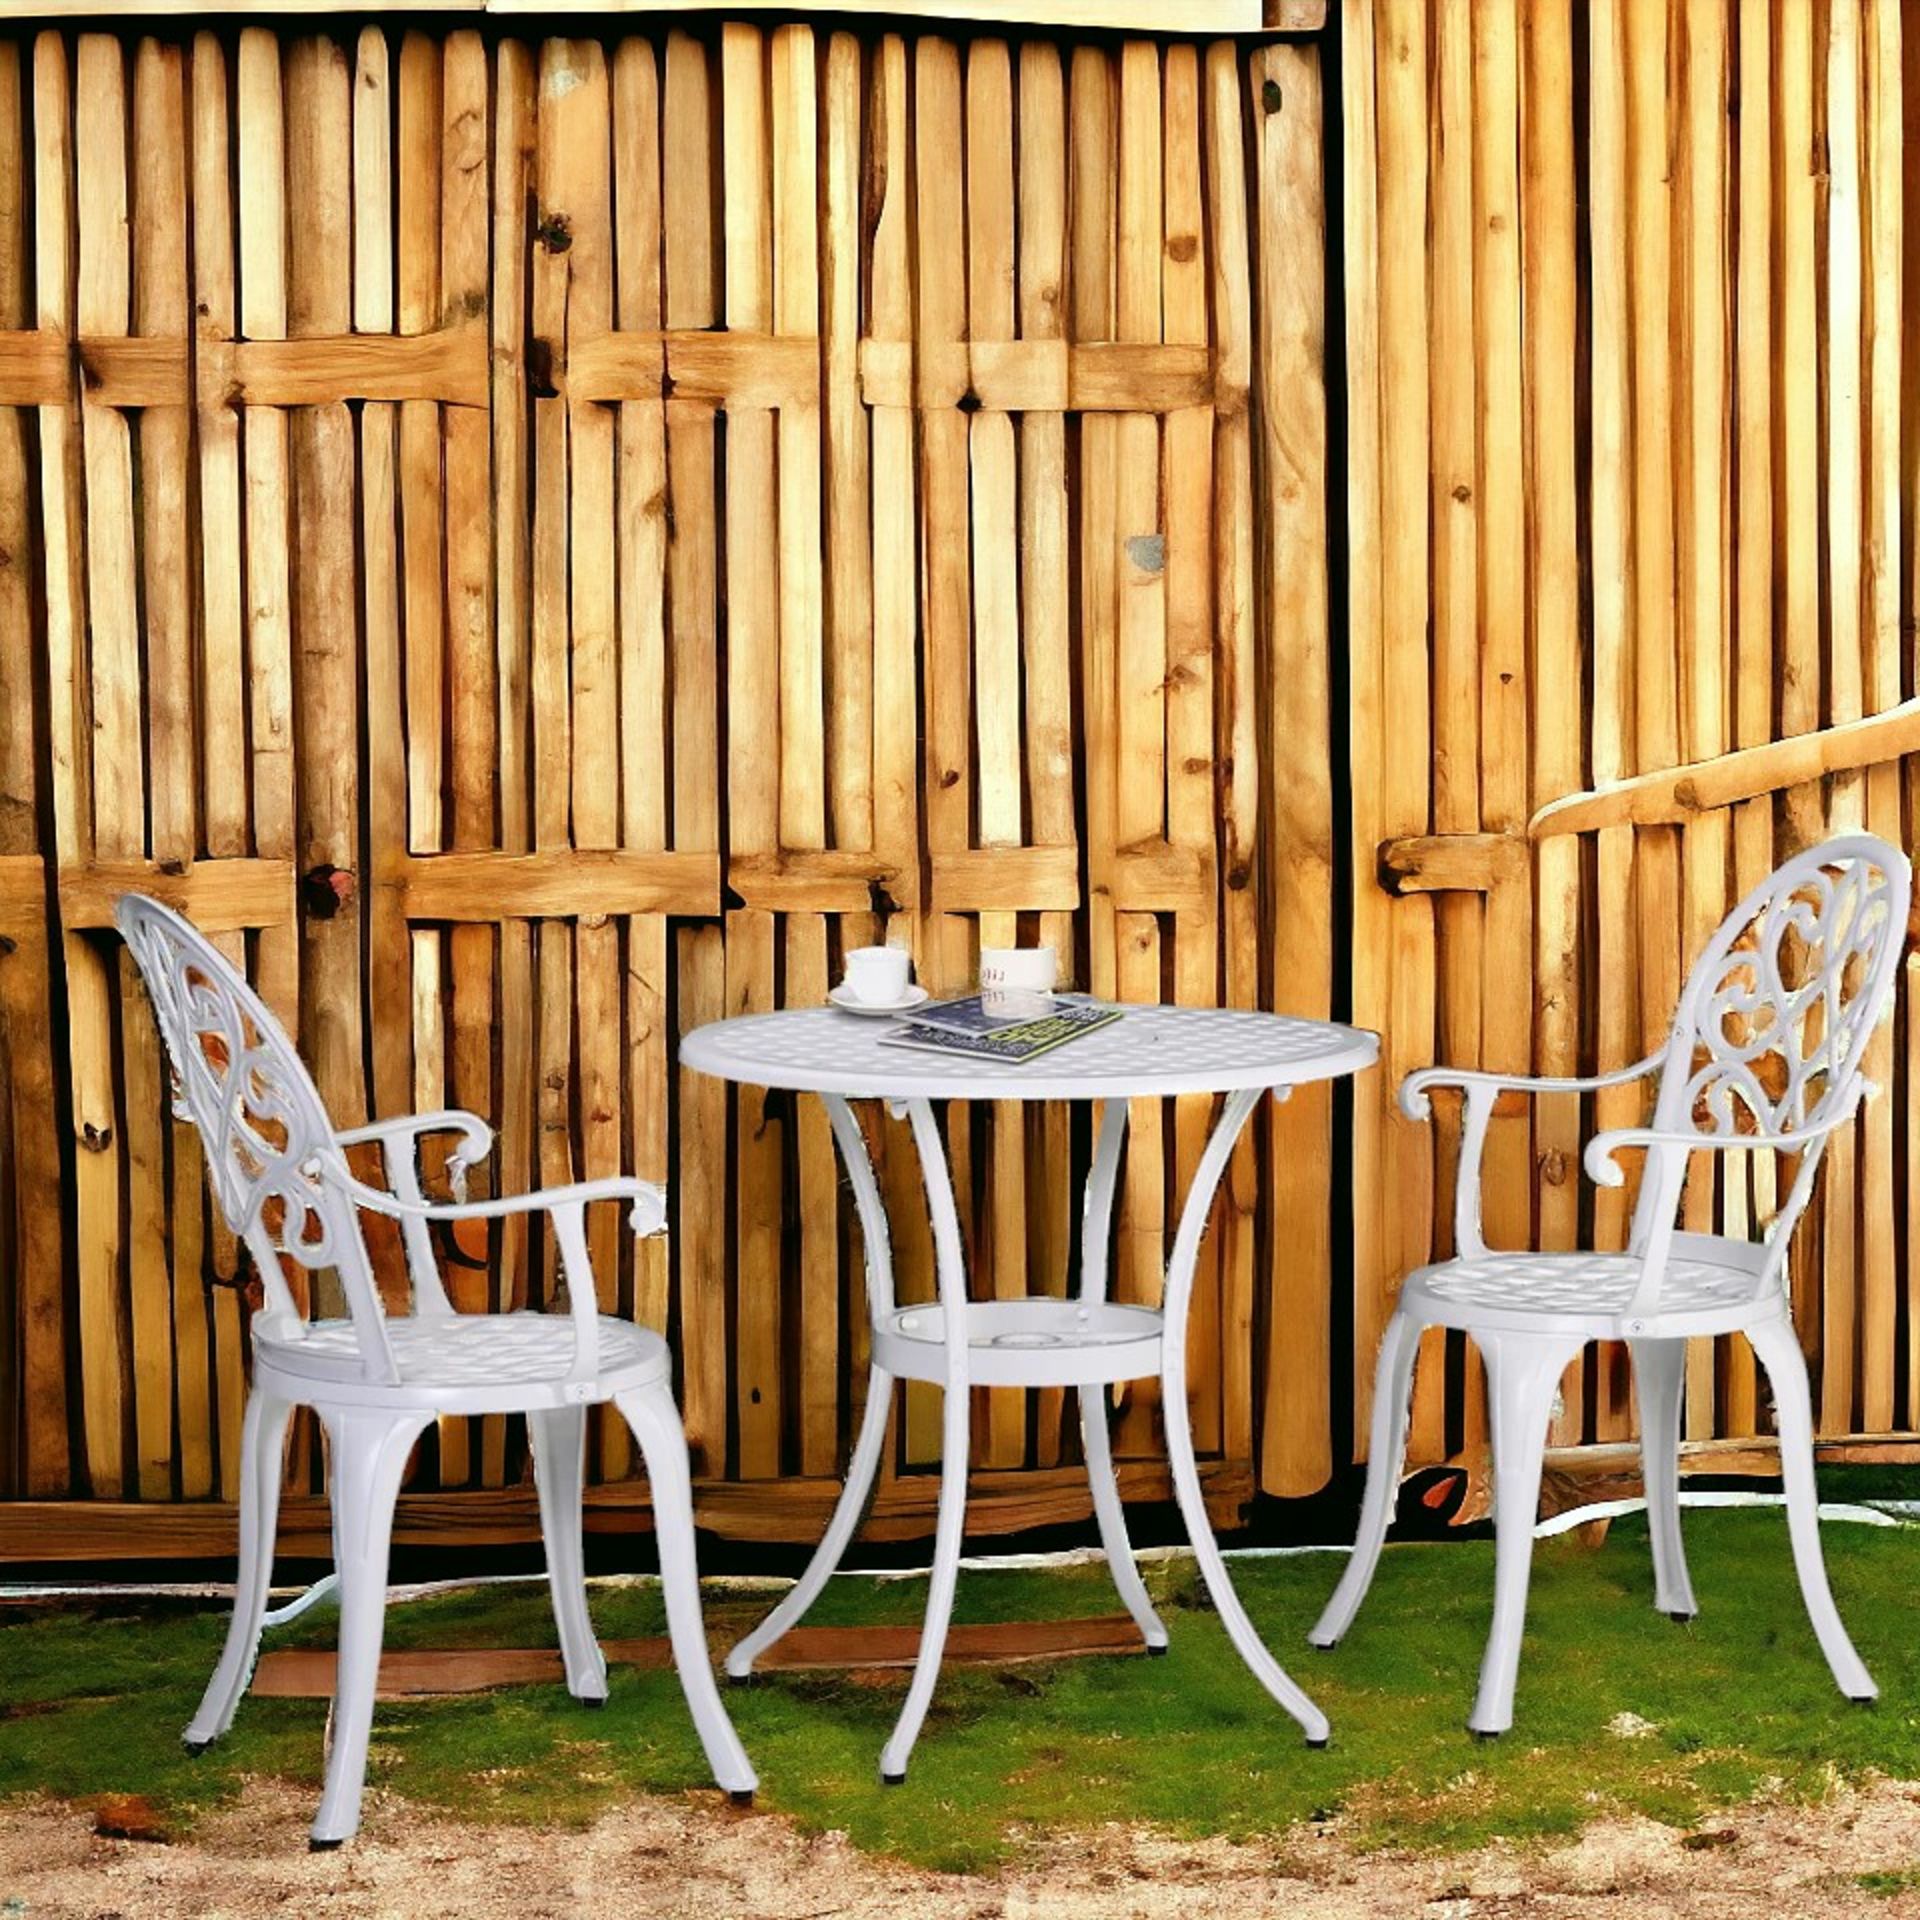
[[1086, 1342]]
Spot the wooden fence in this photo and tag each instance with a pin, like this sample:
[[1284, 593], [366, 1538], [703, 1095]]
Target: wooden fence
[[1627, 437], [545, 544]]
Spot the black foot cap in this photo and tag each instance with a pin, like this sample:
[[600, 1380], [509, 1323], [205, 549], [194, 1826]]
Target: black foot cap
[[1323, 1646], [739, 1679], [1482, 1733], [741, 1796], [1320, 1744], [893, 1779], [595, 1701], [1680, 1619], [325, 1846], [1864, 1699], [195, 1748], [1160, 1651]]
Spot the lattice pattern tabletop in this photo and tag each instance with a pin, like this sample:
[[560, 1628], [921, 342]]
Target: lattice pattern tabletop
[[1149, 1051]]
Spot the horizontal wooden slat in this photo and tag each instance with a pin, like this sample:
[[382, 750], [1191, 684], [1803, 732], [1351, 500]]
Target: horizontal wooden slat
[[1138, 16], [1451, 862], [832, 880], [734, 369], [218, 896], [1047, 376], [1007, 880], [36, 369], [307, 1673], [449, 366], [23, 893], [1155, 877], [51, 1532], [1679, 793], [562, 883]]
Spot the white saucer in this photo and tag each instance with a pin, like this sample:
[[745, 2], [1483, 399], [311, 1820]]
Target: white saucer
[[915, 997]]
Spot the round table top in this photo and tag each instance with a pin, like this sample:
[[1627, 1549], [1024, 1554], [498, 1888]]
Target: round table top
[[1147, 1052]]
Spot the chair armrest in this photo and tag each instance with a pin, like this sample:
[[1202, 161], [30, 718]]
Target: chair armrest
[[648, 1214], [1416, 1086], [405, 1131], [1604, 1168]]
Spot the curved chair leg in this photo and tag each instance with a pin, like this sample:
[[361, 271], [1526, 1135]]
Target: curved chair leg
[[1386, 1451], [1660, 1378], [1778, 1349], [558, 1437], [1097, 1443], [834, 1542], [367, 1451], [949, 1525], [1522, 1373], [263, 1437], [655, 1421]]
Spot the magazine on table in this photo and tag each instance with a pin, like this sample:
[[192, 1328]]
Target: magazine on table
[[1010, 1027]]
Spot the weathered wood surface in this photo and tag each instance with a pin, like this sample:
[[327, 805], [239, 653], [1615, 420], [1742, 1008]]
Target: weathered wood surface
[[1630, 502], [512, 512]]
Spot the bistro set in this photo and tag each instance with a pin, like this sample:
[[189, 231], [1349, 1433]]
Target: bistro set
[[1765, 1052]]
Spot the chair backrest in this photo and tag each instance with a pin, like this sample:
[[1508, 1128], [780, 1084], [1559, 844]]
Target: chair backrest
[[271, 1158], [1776, 1015]]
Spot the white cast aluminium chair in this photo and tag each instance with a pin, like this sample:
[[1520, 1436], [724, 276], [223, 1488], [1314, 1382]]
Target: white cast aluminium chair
[[1765, 1053], [279, 1171]]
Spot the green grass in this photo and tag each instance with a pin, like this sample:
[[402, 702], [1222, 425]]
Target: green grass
[[1740, 1703]]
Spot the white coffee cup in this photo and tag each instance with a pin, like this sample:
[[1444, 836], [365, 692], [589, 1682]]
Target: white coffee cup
[[1023, 971], [877, 976]]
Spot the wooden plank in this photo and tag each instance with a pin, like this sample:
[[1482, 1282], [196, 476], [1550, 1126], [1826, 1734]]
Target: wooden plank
[[105, 670], [1291, 462], [300, 1673], [53, 1532], [1046, 646], [1236, 694], [169, 1301], [1405, 1191], [223, 671], [33, 1457], [691, 295], [1549, 325], [754, 765]]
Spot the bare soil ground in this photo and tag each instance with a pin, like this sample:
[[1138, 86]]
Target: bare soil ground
[[694, 1859]]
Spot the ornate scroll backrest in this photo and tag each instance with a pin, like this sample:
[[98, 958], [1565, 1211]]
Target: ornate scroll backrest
[[270, 1152], [1776, 1016]]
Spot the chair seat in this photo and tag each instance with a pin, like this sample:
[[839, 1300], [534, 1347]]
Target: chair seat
[[1709, 1288], [472, 1355]]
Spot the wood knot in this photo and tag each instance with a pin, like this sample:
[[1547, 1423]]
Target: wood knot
[[95, 1139], [555, 232], [325, 891], [1462, 492], [1271, 98], [1182, 247]]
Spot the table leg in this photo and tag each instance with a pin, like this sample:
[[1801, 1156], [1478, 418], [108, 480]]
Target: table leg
[[950, 1267], [1186, 1472], [1096, 1233], [873, 1425]]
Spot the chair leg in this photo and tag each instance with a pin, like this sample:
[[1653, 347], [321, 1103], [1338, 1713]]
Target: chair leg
[[367, 1456], [655, 1421], [1097, 1443], [833, 1543], [1522, 1373], [1778, 1350], [1660, 1380], [1386, 1452], [948, 1528], [263, 1437], [558, 1437]]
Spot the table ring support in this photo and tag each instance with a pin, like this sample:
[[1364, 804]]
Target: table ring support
[[957, 1378]]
